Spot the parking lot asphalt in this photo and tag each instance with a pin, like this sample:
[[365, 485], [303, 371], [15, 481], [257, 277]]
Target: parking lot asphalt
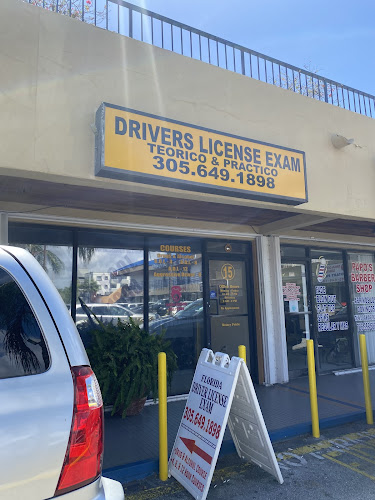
[[338, 465]]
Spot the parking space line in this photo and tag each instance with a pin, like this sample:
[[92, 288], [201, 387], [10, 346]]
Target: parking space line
[[359, 449], [351, 467], [351, 452], [362, 453]]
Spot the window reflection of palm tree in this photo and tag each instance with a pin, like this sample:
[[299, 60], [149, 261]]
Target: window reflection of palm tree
[[21, 330], [46, 258], [86, 253]]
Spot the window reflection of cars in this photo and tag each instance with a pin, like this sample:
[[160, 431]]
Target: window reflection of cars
[[110, 312], [134, 305], [192, 309], [184, 330], [180, 306], [159, 307]]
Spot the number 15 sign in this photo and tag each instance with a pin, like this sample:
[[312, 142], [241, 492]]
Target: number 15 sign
[[221, 392]]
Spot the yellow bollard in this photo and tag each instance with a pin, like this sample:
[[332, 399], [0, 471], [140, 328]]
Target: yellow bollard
[[312, 385], [163, 435], [242, 352], [366, 379]]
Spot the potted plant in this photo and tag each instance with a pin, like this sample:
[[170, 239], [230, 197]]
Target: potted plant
[[124, 358]]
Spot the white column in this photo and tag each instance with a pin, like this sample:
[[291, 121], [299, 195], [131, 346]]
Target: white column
[[3, 228], [272, 310]]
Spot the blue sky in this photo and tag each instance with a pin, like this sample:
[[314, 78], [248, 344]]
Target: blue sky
[[336, 38]]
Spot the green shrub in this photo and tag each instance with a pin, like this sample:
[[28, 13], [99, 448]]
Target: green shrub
[[124, 358]]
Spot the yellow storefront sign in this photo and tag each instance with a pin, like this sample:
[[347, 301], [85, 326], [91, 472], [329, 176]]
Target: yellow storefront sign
[[145, 148]]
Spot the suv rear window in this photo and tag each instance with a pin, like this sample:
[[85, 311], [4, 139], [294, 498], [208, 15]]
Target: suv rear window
[[23, 350]]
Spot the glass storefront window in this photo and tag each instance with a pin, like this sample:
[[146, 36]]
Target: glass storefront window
[[362, 283], [110, 283], [176, 298], [56, 260], [330, 298], [52, 248], [297, 316]]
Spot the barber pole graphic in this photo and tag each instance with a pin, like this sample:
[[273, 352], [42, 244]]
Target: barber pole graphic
[[321, 269]]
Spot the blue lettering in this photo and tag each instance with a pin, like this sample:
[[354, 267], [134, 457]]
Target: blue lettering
[[238, 152], [295, 164], [228, 149], [257, 156], [269, 159], [188, 141], [177, 136], [217, 151], [165, 136], [248, 155], [201, 148], [134, 127], [286, 163], [153, 134], [277, 160], [120, 130]]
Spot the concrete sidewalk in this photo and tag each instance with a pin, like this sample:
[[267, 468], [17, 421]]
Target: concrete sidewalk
[[131, 444]]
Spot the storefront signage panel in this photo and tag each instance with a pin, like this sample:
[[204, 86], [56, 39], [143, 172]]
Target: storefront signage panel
[[229, 287], [362, 281], [198, 441], [146, 148], [216, 396]]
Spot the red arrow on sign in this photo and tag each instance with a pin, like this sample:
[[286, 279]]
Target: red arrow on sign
[[193, 448]]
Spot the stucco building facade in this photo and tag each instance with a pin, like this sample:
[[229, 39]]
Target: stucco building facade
[[254, 269]]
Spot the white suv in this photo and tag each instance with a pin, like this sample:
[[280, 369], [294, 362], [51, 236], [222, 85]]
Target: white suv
[[51, 411]]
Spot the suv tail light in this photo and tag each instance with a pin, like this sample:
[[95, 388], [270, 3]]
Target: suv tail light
[[84, 455]]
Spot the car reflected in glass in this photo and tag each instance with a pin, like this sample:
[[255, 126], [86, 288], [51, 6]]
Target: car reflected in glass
[[185, 331], [111, 312]]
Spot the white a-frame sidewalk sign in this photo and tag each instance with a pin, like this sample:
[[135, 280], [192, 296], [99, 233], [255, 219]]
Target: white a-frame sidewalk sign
[[221, 391]]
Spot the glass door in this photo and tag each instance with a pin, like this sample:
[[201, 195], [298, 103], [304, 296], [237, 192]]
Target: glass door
[[333, 335], [298, 316], [228, 305]]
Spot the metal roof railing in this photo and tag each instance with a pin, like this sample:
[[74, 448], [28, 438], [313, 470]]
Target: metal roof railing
[[141, 24]]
